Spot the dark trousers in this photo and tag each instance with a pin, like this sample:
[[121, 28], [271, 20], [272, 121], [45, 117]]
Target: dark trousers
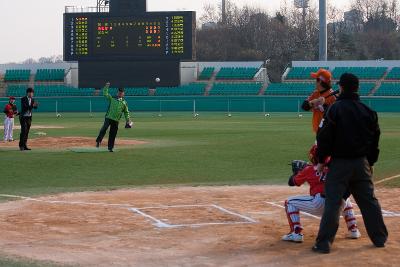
[[112, 135], [353, 175], [26, 123]]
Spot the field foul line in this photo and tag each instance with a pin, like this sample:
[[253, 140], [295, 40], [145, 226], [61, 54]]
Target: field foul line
[[385, 213], [387, 179]]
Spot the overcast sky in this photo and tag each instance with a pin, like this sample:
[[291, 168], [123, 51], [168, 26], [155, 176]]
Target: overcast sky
[[33, 28]]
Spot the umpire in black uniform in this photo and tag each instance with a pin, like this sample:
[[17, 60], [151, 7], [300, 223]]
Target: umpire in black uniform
[[25, 118], [350, 135]]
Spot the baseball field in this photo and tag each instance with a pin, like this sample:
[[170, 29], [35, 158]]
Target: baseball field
[[178, 191]]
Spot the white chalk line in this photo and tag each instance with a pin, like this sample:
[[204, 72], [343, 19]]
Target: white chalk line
[[385, 213], [234, 214], [283, 207], [387, 179], [160, 224]]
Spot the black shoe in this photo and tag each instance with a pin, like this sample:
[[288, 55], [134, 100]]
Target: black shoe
[[380, 245], [110, 150], [27, 148], [321, 250], [97, 144]]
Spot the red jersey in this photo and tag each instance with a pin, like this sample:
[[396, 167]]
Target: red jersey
[[310, 175], [10, 110]]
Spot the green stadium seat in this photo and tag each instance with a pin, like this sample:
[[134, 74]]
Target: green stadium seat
[[388, 89], [289, 89], [368, 73], [207, 73], [365, 88], [191, 89], [49, 91], [50, 75], [237, 73], [394, 74], [17, 75], [302, 73], [236, 89]]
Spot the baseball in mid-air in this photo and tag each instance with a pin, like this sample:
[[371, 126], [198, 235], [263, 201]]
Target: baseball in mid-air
[[300, 115], [158, 80]]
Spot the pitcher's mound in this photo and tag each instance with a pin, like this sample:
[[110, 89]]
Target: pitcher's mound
[[68, 143]]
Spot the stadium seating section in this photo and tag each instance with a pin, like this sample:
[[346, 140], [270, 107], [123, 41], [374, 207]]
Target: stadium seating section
[[388, 89], [302, 89], [299, 73], [206, 74], [50, 75], [50, 91], [237, 73], [365, 88], [17, 75], [394, 74], [236, 89], [191, 89], [131, 91], [363, 73]]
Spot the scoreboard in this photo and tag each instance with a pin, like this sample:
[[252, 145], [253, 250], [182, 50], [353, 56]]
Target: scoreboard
[[146, 36]]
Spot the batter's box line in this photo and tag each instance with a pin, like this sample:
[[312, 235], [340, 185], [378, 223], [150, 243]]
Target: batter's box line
[[160, 224]]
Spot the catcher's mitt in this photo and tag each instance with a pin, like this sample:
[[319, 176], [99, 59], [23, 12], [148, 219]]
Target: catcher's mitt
[[129, 125], [298, 165]]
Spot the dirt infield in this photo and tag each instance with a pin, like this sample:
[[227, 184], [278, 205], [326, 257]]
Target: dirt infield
[[67, 142], [201, 226]]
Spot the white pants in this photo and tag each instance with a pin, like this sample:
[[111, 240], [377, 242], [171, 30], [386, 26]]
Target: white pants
[[314, 205], [8, 129]]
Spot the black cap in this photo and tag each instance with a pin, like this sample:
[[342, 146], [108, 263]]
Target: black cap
[[30, 90], [121, 90], [349, 82]]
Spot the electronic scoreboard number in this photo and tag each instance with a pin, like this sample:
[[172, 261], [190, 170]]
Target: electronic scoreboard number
[[154, 35]]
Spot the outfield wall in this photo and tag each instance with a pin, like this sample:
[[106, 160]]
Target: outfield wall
[[199, 104]]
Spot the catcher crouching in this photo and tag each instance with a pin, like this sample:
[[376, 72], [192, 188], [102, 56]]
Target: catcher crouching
[[116, 108], [314, 203]]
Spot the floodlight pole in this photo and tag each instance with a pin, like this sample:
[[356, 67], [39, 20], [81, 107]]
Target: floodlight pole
[[323, 35], [223, 7]]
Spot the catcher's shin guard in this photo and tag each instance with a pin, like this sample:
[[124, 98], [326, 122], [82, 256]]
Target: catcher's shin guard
[[293, 216], [348, 215]]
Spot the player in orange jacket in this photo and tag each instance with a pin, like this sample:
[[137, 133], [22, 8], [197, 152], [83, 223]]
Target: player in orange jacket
[[320, 100], [315, 202]]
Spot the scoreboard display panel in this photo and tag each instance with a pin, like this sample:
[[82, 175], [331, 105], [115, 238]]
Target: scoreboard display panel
[[153, 35]]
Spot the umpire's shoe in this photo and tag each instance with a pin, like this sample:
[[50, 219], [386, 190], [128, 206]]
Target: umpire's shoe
[[97, 144], [321, 249]]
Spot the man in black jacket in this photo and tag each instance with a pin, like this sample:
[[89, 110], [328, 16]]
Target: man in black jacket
[[350, 135], [25, 118]]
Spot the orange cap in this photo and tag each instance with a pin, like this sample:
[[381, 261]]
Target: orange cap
[[322, 74]]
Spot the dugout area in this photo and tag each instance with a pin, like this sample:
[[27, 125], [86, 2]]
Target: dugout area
[[180, 226]]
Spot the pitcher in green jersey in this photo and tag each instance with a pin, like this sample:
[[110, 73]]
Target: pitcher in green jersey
[[116, 108]]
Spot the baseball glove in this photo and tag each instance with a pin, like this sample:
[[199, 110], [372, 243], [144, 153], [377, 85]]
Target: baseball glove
[[129, 125], [298, 165]]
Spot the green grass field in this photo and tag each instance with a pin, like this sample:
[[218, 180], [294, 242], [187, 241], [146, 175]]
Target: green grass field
[[212, 149]]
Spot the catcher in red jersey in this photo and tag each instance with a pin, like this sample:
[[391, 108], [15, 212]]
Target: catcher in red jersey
[[314, 203]]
